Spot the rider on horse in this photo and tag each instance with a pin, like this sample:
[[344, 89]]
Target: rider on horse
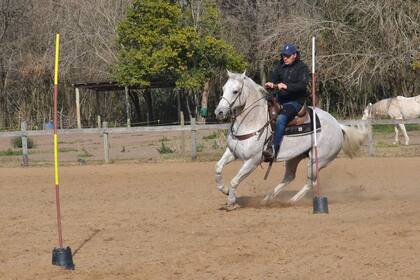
[[290, 79]]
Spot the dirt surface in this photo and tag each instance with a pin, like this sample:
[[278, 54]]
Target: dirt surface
[[162, 221]]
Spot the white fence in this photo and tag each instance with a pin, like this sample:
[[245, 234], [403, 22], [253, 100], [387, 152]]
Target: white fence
[[192, 128]]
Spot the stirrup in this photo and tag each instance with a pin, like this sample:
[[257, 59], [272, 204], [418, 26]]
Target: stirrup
[[268, 153]]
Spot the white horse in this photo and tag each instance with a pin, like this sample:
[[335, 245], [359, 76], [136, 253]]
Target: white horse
[[243, 98], [398, 108]]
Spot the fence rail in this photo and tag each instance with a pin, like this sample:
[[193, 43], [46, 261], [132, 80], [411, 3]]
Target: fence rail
[[193, 128]]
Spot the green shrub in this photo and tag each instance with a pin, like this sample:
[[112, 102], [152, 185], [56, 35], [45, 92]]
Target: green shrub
[[200, 148], [163, 149], [17, 142]]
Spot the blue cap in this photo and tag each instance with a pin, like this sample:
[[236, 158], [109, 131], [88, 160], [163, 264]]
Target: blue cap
[[288, 49]]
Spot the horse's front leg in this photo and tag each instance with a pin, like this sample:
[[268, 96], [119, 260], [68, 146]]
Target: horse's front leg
[[404, 132], [397, 141], [246, 169], [227, 158]]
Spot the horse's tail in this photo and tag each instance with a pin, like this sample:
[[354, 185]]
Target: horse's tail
[[353, 138]]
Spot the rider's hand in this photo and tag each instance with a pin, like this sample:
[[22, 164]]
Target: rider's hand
[[269, 85], [282, 86]]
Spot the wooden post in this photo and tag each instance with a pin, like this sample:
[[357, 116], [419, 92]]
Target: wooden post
[[178, 104], [99, 121], [147, 119], [79, 123], [181, 117], [193, 139], [24, 144], [61, 118], [106, 143], [127, 106], [370, 138]]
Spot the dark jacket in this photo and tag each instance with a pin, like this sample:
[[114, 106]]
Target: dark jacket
[[296, 77]]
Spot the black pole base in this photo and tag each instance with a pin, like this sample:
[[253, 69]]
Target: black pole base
[[320, 205], [63, 257]]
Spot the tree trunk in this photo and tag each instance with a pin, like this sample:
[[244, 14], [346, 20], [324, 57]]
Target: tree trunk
[[149, 103], [136, 101], [204, 102]]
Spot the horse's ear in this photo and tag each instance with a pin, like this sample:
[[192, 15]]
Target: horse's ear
[[229, 73], [370, 104], [243, 75]]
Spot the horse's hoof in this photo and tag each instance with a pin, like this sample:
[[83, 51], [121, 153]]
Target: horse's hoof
[[266, 199], [230, 207], [224, 190]]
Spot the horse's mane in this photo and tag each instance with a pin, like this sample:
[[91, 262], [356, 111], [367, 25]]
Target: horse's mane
[[256, 86]]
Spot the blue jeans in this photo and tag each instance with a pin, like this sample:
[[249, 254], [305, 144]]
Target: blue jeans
[[289, 111]]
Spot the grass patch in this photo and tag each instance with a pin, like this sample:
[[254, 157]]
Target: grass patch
[[412, 127], [10, 152], [163, 149], [17, 142], [211, 136], [216, 134], [200, 148], [389, 128]]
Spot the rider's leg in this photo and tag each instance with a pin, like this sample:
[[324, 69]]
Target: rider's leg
[[287, 113], [274, 146]]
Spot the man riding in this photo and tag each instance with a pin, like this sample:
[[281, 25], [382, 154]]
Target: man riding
[[289, 79]]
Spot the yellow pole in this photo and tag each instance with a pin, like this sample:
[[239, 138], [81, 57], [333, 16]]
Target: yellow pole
[[57, 191]]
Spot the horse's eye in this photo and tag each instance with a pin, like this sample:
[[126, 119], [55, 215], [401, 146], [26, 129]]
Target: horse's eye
[[235, 92]]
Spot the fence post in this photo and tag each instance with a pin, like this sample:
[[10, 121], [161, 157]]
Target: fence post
[[106, 143], [24, 144], [79, 123], [370, 138], [193, 139], [181, 117], [127, 107], [99, 121]]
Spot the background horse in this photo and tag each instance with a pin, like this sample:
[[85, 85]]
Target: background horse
[[398, 108], [245, 101]]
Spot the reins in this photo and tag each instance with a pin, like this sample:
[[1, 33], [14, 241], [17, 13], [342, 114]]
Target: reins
[[234, 116]]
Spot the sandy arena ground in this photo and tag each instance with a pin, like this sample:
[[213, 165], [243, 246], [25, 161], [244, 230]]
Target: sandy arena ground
[[162, 221]]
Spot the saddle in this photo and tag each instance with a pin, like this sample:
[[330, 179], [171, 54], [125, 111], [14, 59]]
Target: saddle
[[301, 123]]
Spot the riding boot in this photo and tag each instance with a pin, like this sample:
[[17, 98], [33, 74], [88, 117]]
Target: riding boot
[[271, 152]]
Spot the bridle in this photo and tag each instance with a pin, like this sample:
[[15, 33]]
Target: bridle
[[236, 98], [234, 116]]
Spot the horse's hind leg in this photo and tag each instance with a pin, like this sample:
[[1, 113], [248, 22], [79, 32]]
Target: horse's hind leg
[[404, 132], [227, 158], [289, 176], [312, 174]]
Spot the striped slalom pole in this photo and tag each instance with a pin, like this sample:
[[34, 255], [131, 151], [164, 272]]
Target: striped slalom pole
[[61, 256], [320, 204], [57, 189]]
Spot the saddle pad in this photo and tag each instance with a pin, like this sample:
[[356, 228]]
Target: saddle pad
[[304, 128]]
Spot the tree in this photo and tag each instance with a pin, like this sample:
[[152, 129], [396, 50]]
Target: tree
[[160, 40]]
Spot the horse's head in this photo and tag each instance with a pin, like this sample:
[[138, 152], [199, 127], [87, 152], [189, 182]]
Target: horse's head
[[366, 112], [233, 95]]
